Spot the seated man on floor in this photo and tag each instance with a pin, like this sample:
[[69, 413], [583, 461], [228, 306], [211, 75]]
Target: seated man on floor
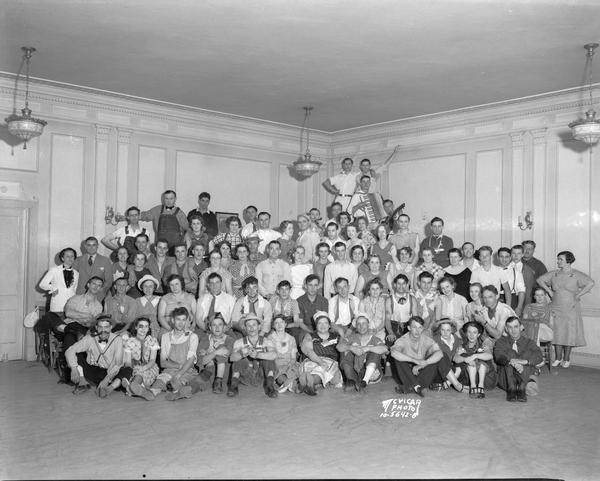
[[361, 356], [97, 359], [253, 359], [213, 354], [516, 357], [178, 349], [420, 362]]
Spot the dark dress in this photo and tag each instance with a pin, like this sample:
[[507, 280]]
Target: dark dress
[[462, 280]]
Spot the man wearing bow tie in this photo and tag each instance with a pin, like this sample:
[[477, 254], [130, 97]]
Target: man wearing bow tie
[[168, 221], [439, 243]]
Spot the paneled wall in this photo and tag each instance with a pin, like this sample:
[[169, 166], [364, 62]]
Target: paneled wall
[[482, 168], [478, 168], [100, 151]]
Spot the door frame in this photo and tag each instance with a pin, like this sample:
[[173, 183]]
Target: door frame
[[29, 210]]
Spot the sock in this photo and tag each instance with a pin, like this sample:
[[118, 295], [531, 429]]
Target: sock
[[369, 372]]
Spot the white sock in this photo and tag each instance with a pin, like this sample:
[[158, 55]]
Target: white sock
[[369, 372]]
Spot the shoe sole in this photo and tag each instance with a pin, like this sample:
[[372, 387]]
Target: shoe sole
[[140, 391]]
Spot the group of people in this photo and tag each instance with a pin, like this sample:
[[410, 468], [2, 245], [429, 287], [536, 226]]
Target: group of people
[[186, 308]]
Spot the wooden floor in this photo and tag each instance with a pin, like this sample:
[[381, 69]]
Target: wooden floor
[[46, 432]]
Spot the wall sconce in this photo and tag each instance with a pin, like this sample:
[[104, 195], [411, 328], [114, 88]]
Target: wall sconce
[[112, 217], [528, 224]]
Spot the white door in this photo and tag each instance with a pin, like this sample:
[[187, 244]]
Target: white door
[[13, 245]]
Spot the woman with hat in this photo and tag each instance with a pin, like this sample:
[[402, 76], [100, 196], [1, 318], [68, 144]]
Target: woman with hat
[[475, 358], [147, 305], [320, 348]]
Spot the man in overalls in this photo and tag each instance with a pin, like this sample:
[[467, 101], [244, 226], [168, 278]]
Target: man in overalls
[[125, 236], [168, 221]]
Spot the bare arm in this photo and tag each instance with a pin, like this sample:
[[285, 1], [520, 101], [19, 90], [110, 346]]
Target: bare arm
[[329, 187]]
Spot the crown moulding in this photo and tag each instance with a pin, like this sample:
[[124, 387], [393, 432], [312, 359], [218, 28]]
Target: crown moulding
[[155, 117]]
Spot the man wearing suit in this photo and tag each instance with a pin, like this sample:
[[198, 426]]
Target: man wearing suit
[[92, 264], [516, 357], [157, 263]]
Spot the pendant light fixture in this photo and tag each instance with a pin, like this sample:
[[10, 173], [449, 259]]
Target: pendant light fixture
[[306, 166], [588, 130], [24, 126]]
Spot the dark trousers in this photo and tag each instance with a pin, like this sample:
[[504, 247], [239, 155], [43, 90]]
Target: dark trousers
[[509, 378], [429, 374], [252, 372], [95, 374], [73, 332], [349, 369]]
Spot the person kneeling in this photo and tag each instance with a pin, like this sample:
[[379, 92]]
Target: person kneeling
[[420, 361], [177, 357], [475, 358], [213, 355], [97, 358], [253, 359], [321, 367], [516, 357], [361, 356]]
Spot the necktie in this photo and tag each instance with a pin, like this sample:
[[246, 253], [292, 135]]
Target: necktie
[[515, 347], [211, 309], [252, 305], [90, 261]]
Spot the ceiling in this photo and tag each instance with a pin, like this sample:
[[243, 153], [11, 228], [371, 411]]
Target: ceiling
[[357, 62]]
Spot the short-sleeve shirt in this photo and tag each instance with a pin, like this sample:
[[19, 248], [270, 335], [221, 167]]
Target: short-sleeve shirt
[[496, 276], [344, 182], [419, 349]]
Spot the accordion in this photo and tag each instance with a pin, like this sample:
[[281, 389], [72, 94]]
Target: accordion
[[372, 207]]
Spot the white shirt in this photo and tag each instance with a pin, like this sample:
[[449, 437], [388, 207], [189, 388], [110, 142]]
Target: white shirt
[[515, 279], [343, 317], [474, 266], [495, 276], [248, 229], [345, 182], [337, 269], [223, 303], [266, 236], [119, 235]]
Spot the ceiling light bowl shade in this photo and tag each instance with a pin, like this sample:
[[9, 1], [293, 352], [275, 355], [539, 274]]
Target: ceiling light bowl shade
[[25, 126], [306, 166], [586, 130]]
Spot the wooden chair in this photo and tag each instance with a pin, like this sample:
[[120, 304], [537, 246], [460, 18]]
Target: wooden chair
[[531, 329], [56, 348]]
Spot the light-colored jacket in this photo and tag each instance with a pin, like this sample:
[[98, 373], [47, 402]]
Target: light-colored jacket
[[55, 280]]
